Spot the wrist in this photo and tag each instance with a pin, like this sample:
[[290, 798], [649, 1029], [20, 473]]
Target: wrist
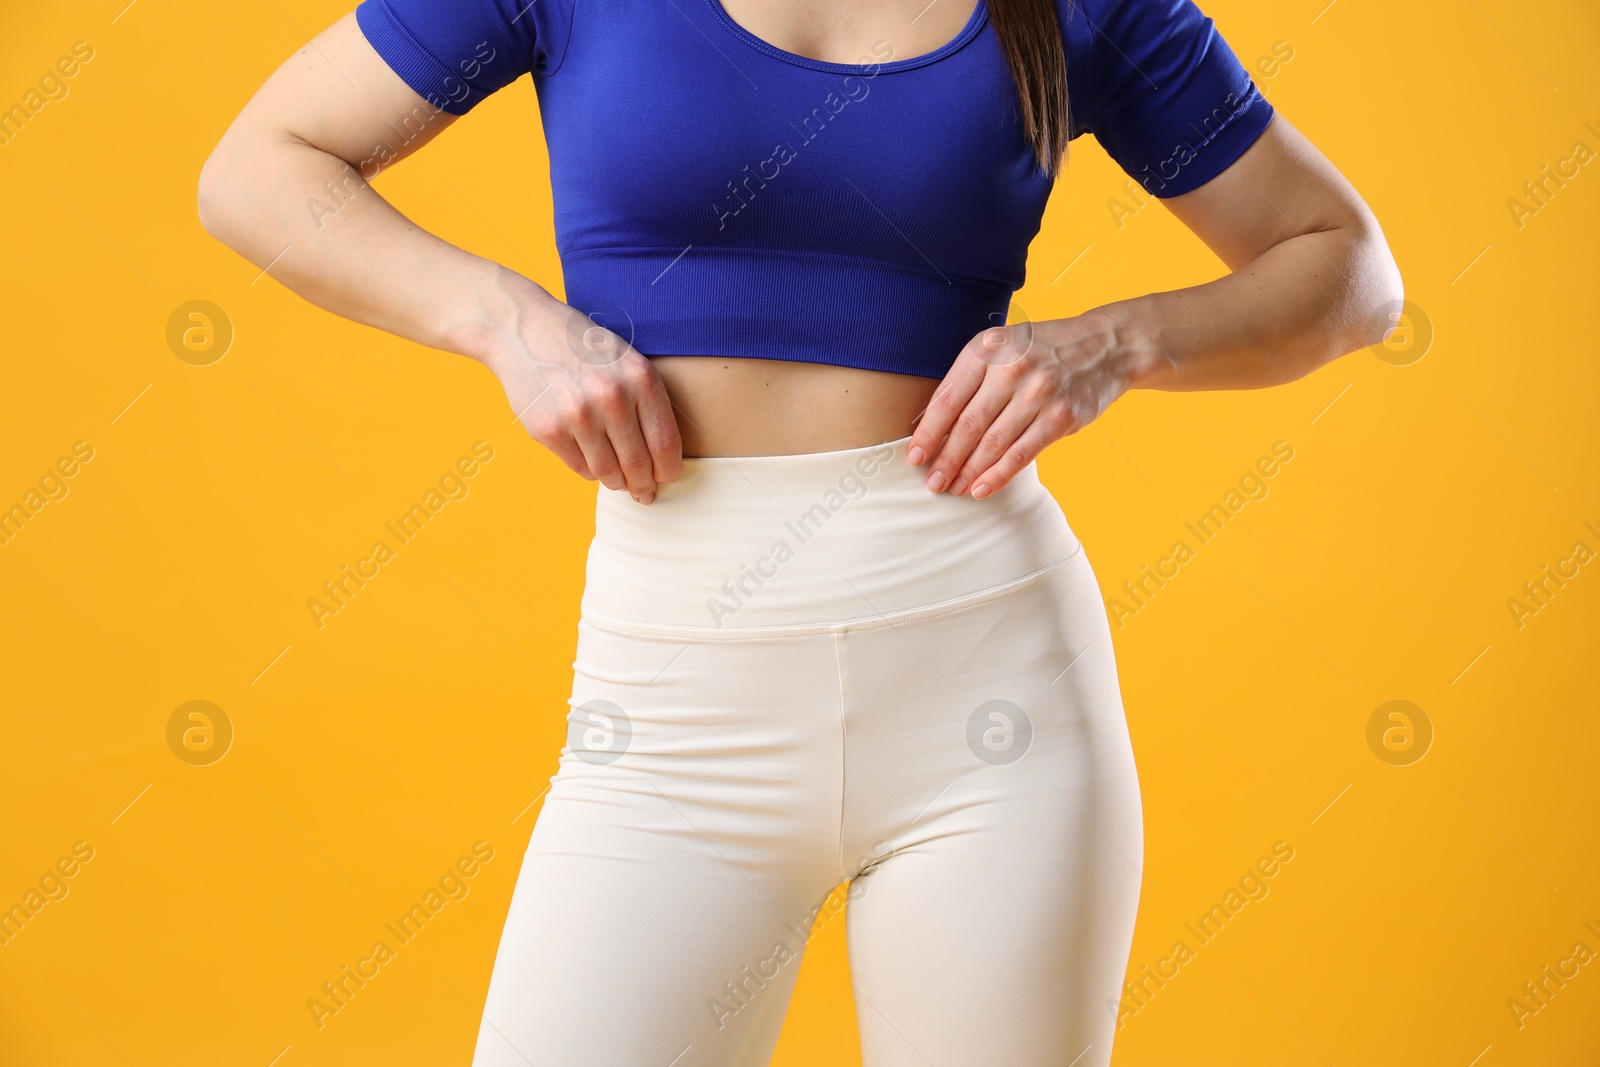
[[1135, 343], [504, 309]]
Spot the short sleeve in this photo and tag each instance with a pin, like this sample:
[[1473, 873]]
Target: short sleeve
[[1161, 91], [455, 53]]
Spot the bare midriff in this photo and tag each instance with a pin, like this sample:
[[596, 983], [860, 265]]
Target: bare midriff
[[766, 407]]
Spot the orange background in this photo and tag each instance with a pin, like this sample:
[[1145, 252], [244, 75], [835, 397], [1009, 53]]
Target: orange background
[[366, 757]]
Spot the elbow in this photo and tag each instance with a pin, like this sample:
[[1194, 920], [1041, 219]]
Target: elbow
[[218, 189], [1382, 290], [212, 198]]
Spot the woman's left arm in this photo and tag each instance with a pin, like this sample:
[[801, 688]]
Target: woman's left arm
[[1312, 278]]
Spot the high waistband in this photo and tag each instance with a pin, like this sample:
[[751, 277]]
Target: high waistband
[[831, 539]]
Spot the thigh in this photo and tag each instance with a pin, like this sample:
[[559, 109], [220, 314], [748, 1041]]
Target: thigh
[[997, 811], [660, 913]]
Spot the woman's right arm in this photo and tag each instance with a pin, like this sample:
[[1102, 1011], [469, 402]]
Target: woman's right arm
[[286, 189]]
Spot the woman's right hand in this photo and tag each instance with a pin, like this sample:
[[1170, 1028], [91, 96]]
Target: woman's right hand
[[587, 395]]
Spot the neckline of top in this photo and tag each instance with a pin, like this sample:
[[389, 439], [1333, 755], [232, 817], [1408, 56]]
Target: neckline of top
[[975, 21]]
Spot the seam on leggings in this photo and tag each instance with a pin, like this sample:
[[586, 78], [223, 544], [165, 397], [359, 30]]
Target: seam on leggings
[[838, 660], [630, 628]]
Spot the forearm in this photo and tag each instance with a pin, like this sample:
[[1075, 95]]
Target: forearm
[[1300, 304], [307, 218]]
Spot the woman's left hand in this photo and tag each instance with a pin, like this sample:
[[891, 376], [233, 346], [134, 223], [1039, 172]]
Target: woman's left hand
[[1014, 390]]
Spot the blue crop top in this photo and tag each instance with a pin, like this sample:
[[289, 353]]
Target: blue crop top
[[717, 196]]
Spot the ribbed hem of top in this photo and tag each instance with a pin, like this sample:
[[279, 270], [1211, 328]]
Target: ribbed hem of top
[[807, 307]]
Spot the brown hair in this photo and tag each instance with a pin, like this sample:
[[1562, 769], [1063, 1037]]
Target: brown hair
[[1029, 33]]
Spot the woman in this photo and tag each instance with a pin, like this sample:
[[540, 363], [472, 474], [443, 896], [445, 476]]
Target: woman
[[835, 628]]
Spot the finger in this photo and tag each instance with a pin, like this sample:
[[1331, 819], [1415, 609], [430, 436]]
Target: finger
[[960, 384], [633, 455], [1001, 435], [970, 425], [660, 426], [1039, 435], [617, 398], [599, 455]]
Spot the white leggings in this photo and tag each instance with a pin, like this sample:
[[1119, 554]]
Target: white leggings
[[794, 671]]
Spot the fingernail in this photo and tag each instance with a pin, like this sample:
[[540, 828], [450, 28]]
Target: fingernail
[[916, 456], [936, 481], [646, 498], [959, 484], [981, 490]]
